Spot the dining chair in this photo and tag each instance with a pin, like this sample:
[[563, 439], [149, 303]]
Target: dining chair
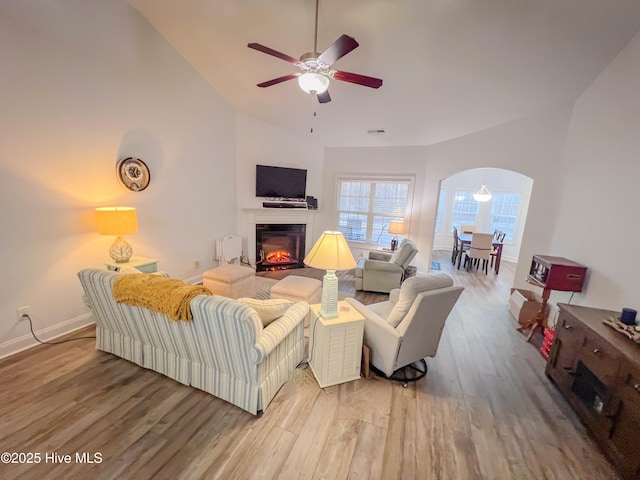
[[467, 228], [481, 245], [499, 237], [456, 246]]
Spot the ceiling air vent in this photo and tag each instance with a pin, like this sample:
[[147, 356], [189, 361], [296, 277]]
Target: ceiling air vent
[[378, 131]]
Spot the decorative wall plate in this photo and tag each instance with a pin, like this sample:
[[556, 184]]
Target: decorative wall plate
[[133, 173]]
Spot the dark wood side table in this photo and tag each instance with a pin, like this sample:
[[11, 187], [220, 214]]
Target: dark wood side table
[[552, 273]]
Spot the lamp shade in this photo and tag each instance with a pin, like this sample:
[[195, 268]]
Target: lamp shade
[[396, 228], [312, 82], [116, 220], [331, 252], [482, 195]]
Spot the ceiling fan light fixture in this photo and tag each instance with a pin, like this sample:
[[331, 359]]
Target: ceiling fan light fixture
[[314, 83]]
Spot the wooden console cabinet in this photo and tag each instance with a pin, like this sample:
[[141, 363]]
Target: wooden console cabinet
[[598, 371]]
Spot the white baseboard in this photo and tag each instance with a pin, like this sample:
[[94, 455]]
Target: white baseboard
[[27, 341]]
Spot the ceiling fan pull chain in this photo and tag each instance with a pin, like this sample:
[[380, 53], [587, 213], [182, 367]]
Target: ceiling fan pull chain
[[314, 103]]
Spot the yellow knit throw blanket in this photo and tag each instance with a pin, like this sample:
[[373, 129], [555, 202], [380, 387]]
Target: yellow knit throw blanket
[[168, 296]]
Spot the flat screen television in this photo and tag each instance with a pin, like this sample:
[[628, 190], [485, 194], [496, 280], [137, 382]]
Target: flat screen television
[[280, 182]]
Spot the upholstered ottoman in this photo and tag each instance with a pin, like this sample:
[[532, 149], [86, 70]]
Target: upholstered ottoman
[[298, 289], [233, 281]]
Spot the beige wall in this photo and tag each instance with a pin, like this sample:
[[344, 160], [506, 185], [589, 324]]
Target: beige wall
[[84, 84], [597, 217]]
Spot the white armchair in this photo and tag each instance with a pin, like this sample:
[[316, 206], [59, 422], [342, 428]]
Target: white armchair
[[407, 328]]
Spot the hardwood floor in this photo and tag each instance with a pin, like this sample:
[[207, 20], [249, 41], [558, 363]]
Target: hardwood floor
[[485, 410]]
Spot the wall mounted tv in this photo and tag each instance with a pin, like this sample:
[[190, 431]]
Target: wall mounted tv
[[280, 182]]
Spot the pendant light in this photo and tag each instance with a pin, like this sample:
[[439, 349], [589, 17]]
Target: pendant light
[[482, 195]]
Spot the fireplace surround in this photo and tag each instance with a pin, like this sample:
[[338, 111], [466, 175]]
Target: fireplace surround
[[255, 216]]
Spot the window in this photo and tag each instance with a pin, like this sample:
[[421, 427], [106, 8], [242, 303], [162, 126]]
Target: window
[[465, 210], [441, 200], [366, 206], [504, 213]]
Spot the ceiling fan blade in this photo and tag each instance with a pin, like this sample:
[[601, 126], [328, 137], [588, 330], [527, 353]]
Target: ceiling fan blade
[[271, 51], [275, 81], [324, 97], [358, 79], [338, 49]]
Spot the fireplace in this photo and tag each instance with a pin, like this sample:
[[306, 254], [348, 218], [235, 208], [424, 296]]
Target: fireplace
[[279, 246]]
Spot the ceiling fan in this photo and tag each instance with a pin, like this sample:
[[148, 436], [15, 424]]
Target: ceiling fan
[[315, 68]]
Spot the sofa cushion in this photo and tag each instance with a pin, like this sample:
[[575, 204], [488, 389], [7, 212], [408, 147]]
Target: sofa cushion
[[268, 310], [410, 290]]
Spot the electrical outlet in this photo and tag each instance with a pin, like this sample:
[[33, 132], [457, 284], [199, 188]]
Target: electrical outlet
[[196, 264], [22, 311], [213, 259]]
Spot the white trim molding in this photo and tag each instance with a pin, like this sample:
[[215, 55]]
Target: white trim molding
[[27, 341], [278, 216]]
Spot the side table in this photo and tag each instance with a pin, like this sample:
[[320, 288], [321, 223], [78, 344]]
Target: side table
[[335, 345], [145, 265]]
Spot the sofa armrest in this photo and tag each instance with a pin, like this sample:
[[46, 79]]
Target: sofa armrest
[[381, 256], [374, 323], [383, 340], [274, 333], [394, 295]]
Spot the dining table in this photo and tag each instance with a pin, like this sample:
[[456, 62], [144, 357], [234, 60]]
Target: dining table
[[465, 239]]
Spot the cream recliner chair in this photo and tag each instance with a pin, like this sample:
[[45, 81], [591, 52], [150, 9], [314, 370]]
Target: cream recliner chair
[[407, 328], [382, 272]]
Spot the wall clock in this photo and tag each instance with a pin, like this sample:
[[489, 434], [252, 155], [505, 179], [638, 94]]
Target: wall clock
[[133, 173]]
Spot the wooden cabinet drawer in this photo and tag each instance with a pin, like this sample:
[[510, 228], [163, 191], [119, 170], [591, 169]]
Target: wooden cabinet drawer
[[561, 364], [629, 386], [569, 328], [623, 435], [600, 357]]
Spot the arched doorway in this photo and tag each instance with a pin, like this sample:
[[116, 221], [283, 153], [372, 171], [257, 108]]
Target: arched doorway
[[506, 210]]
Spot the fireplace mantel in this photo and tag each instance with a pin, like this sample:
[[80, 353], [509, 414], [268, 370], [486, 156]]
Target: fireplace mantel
[[277, 215]]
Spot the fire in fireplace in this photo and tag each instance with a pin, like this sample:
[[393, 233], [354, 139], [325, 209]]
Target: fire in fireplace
[[280, 256], [279, 246]]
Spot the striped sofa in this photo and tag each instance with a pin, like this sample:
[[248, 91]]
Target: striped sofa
[[224, 351]]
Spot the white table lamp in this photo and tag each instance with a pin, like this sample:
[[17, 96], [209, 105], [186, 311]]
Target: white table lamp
[[330, 253]]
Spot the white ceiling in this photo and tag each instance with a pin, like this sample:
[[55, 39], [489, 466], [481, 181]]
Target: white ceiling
[[450, 67]]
